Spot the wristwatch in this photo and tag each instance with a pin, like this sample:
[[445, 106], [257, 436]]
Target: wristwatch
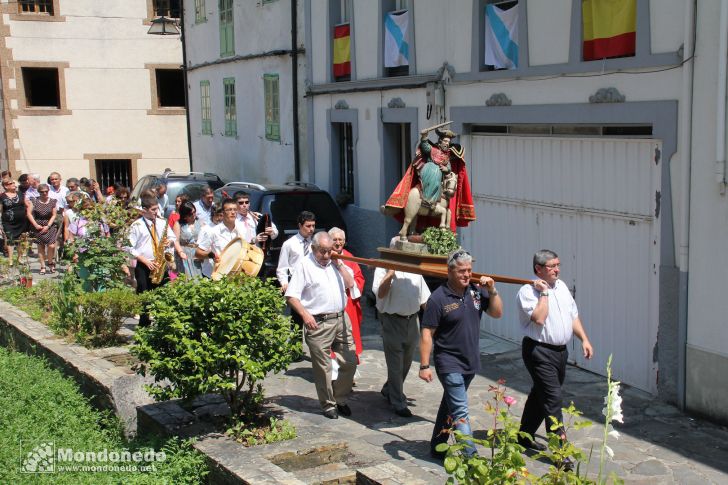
[[545, 293], [423, 367]]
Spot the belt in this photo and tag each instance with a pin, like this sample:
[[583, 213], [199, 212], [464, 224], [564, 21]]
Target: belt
[[557, 348], [406, 317], [322, 317]]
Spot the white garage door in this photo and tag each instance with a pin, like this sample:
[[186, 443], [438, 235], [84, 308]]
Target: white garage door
[[592, 201]]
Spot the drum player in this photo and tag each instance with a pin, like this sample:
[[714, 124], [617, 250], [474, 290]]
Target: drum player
[[220, 235]]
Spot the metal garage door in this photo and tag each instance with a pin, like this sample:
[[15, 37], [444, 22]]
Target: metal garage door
[[592, 200]]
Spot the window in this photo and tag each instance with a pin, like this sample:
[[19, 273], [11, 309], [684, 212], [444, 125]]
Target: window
[[205, 107], [227, 31], [397, 31], [341, 39], [500, 34], [35, 6], [109, 172], [166, 8], [272, 107], [170, 88], [608, 28], [231, 116], [41, 87], [346, 161], [200, 15]]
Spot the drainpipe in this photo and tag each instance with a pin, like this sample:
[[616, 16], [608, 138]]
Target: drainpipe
[[720, 139], [183, 38], [294, 86], [685, 142]]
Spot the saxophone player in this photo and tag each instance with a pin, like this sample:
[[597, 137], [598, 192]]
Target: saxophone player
[[149, 240]]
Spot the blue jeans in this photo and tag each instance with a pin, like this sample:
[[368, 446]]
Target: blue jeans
[[453, 410]]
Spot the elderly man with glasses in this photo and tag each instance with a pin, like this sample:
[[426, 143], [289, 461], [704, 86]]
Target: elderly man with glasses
[[317, 292], [452, 322], [548, 317]]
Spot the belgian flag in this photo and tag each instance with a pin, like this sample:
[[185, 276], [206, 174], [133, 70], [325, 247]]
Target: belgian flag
[[609, 28]]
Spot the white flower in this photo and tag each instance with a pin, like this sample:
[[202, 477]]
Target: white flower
[[613, 432], [609, 451], [615, 405]]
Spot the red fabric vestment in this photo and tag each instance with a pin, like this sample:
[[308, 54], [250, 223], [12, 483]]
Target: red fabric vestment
[[461, 205], [353, 307]]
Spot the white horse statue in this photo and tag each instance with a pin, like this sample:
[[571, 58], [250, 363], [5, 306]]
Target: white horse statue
[[415, 207]]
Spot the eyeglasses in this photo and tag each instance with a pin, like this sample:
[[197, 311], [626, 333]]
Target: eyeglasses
[[243, 202], [457, 255], [552, 266]]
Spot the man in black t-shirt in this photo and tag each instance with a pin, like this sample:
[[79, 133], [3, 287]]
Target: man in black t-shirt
[[452, 321]]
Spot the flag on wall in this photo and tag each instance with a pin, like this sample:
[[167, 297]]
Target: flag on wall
[[501, 37], [342, 50], [396, 48], [609, 28]]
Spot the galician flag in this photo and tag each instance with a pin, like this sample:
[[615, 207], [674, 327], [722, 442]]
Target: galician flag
[[501, 37], [396, 48]]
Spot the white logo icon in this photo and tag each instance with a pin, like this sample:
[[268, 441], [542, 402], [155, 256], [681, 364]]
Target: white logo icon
[[41, 459]]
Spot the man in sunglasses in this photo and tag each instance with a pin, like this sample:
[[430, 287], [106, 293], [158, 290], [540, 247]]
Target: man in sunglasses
[[452, 322], [548, 317], [249, 219]]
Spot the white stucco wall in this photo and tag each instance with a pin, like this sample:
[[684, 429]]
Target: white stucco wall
[[259, 29], [108, 90], [707, 304], [548, 38]]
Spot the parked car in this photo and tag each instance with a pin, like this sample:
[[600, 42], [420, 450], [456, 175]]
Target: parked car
[[284, 203], [189, 183]]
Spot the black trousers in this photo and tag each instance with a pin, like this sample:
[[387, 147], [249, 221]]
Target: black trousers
[[547, 366], [144, 283]]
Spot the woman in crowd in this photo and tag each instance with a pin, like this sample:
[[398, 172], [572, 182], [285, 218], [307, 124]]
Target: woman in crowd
[[174, 216], [187, 230], [14, 215], [41, 213]]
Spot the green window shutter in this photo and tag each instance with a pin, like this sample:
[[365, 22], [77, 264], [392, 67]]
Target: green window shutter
[[272, 116], [206, 108], [227, 35], [231, 117]]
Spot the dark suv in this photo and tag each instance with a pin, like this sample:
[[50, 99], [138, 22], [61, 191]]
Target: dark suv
[[284, 203], [189, 183]]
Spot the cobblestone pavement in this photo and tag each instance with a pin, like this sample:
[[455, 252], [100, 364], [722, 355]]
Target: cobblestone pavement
[[658, 444]]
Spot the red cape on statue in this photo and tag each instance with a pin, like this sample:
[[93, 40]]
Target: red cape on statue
[[353, 307], [461, 204]]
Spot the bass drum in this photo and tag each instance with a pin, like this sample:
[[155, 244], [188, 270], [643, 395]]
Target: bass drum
[[239, 257]]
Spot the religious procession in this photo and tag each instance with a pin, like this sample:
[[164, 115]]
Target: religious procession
[[394, 242]]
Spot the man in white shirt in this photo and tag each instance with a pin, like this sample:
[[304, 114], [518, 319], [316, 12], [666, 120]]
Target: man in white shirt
[[295, 247], [145, 234], [205, 240], [57, 191], [205, 206], [249, 220], [548, 317], [399, 296], [32, 190], [317, 292], [223, 233], [160, 188]]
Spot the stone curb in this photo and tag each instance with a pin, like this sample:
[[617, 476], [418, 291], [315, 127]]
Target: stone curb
[[109, 386]]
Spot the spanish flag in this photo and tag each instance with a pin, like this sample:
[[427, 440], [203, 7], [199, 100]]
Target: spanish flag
[[342, 50], [609, 28]]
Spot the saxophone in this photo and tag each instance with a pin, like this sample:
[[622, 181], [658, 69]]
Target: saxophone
[[161, 256]]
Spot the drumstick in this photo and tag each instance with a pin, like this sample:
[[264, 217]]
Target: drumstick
[[428, 269]]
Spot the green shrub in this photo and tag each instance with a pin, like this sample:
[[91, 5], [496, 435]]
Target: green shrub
[[440, 241], [276, 430], [215, 337], [103, 313]]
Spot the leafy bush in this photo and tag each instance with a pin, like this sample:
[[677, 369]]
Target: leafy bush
[[101, 258], [103, 313], [215, 337], [440, 241], [37, 403]]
